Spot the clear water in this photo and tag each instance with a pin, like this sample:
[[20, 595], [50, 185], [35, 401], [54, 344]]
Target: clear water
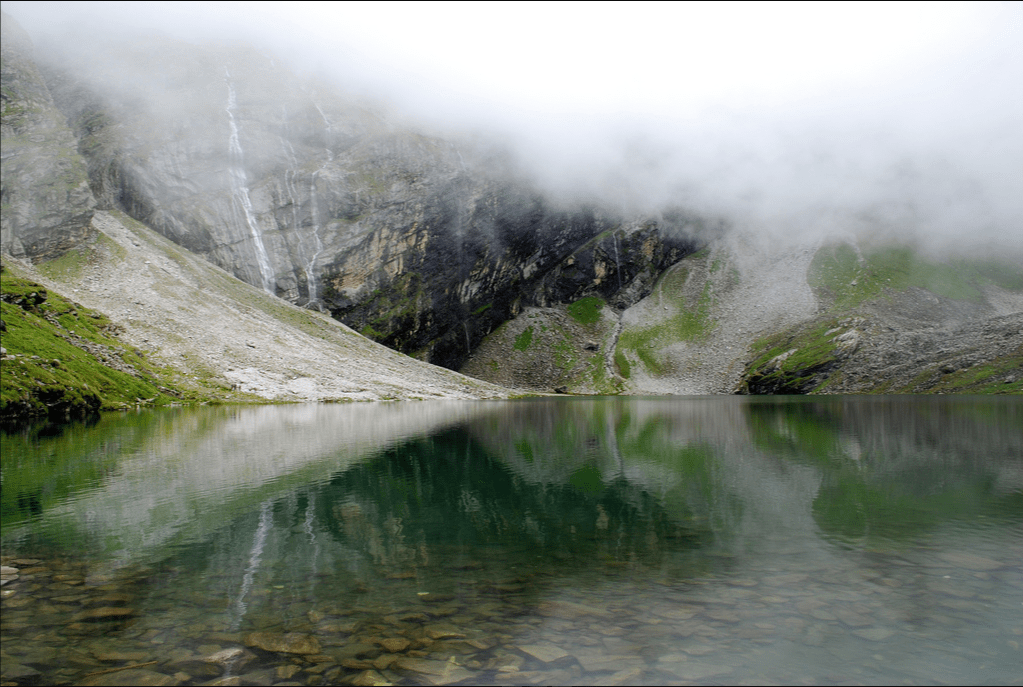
[[551, 541]]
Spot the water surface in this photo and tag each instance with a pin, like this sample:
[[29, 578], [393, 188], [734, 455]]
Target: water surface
[[551, 541]]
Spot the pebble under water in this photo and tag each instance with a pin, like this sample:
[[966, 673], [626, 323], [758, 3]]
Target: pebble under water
[[549, 541]]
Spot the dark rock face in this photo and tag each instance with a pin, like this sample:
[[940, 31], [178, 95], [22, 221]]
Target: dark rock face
[[45, 203], [421, 244]]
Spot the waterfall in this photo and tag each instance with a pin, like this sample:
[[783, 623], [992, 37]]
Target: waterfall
[[315, 214], [618, 267], [240, 189]]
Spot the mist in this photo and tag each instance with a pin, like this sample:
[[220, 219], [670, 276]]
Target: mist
[[794, 122]]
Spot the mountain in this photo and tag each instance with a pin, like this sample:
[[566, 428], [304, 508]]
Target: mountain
[[442, 250]]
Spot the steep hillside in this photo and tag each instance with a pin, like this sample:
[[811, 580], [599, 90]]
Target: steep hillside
[[894, 321], [423, 244], [742, 316], [166, 326]]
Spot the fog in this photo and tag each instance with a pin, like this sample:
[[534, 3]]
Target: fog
[[792, 120]]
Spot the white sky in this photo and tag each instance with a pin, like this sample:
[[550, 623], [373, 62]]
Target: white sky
[[774, 105]]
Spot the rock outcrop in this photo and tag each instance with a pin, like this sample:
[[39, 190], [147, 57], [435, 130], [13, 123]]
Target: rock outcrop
[[45, 201], [419, 243]]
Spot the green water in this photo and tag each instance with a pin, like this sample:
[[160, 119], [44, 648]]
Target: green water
[[551, 541]]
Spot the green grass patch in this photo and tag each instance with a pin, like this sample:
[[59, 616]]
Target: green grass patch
[[62, 359], [838, 273], [814, 351], [622, 363], [685, 325], [523, 340], [586, 310]]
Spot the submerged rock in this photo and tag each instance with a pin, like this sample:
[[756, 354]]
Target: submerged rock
[[284, 643]]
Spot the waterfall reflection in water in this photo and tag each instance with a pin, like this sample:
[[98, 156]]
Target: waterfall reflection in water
[[539, 541]]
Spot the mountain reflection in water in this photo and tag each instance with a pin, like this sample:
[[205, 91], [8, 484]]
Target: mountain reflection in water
[[624, 540]]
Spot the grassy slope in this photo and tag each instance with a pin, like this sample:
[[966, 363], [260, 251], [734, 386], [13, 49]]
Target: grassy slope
[[687, 323], [844, 281], [63, 359]]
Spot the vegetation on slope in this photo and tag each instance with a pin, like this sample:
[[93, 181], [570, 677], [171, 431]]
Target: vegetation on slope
[[841, 276], [857, 290], [685, 324], [64, 360]]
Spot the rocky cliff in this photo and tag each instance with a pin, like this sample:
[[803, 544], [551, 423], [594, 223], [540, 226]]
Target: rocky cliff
[[44, 195], [440, 249], [417, 242]]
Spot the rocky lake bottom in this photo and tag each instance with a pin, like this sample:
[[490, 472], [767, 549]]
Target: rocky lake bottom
[[549, 541]]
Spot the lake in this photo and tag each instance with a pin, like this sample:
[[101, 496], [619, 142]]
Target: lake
[[824, 540]]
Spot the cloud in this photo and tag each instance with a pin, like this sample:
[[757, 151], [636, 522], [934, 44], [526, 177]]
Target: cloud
[[788, 118]]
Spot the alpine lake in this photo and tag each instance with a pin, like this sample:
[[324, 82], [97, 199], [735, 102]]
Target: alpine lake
[[668, 540]]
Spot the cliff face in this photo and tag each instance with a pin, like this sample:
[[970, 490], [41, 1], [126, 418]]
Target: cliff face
[[440, 250], [416, 242], [45, 202]]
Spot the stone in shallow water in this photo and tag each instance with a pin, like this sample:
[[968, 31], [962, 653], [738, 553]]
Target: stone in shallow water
[[104, 613], [570, 610], [629, 676], [680, 665], [368, 678], [395, 645], [674, 612], [131, 678], [545, 652], [284, 643], [968, 560], [432, 672], [443, 632], [601, 661], [236, 657], [17, 671], [113, 655]]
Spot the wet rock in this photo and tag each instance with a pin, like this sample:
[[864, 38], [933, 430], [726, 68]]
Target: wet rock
[[433, 672], [443, 632], [286, 672], [236, 657], [602, 662], [104, 613], [284, 643], [395, 645], [119, 656], [571, 610], [686, 669], [353, 650], [969, 561], [133, 677], [226, 681], [674, 612], [545, 652], [628, 676], [343, 627], [368, 678], [259, 677], [17, 671], [196, 667]]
